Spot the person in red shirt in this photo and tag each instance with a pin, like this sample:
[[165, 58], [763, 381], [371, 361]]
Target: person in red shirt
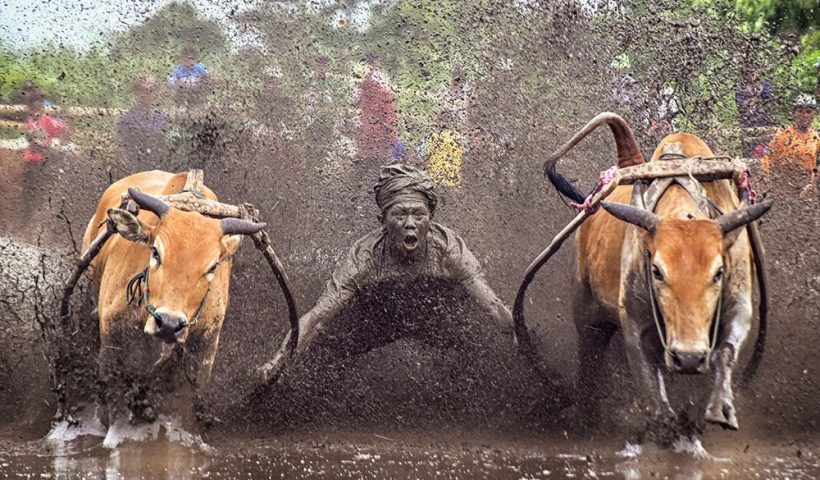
[[378, 123], [40, 158], [42, 129]]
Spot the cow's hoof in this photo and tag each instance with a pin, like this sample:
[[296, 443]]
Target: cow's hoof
[[721, 412]]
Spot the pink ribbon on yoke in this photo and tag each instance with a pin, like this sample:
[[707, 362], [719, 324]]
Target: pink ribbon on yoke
[[606, 177], [746, 184]]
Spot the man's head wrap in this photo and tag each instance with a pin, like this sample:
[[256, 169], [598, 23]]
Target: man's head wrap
[[399, 182]]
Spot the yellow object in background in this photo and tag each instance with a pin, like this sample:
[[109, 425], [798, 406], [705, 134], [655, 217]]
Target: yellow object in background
[[446, 155]]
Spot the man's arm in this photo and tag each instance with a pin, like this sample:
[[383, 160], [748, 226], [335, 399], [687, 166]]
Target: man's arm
[[467, 272], [478, 288], [343, 284]]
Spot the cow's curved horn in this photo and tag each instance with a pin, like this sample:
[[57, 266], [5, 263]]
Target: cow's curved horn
[[636, 216], [236, 226], [629, 153], [742, 216], [149, 202]]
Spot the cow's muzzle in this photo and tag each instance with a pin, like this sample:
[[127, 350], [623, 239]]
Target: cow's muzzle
[[168, 327], [689, 363]]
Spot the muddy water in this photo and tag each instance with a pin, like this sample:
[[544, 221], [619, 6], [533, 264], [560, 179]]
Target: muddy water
[[375, 455]]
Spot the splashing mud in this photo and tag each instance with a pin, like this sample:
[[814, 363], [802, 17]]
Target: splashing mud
[[305, 100]]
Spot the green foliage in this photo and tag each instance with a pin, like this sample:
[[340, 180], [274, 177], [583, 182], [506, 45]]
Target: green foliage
[[101, 75], [796, 16], [803, 66]]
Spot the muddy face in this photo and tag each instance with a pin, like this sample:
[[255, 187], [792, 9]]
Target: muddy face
[[407, 223], [803, 116]]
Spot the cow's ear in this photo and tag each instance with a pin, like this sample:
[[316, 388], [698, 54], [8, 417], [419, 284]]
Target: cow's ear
[[230, 244], [128, 225]]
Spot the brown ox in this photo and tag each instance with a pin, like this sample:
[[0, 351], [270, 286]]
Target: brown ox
[[694, 267], [177, 266]]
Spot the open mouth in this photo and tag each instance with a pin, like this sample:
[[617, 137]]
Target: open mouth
[[411, 241]]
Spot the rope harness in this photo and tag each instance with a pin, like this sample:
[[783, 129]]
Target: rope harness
[[139, 284], [657, 315], [706, 204]]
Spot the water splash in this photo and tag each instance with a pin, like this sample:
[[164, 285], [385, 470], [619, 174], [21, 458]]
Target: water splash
[[630, 450], [123, 431], [87, 423]]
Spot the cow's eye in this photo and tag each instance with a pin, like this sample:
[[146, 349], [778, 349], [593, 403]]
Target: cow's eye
[[212, 270], [155, 260], [719, 274], [656, 272]]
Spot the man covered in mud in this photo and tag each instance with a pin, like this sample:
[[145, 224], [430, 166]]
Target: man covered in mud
[[408, 251]]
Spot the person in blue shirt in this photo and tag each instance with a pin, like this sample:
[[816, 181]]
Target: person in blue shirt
[[189, 73]]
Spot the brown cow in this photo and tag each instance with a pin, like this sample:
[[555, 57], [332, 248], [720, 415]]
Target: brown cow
[[663, 277], [175, 266]]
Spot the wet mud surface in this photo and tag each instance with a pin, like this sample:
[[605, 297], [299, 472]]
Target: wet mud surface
[[455, 454]]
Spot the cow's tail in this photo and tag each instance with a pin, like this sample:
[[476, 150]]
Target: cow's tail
[[763, 308], [628, 152]]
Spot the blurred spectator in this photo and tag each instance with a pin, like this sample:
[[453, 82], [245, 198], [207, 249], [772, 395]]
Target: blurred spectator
[[445, 156], [797, 144], [626, 91], [189, 73], [398, 154], [752, 97], [190, 79], [39, 158], [454, 100], [665, 121], [198, 137], [378, 127], [141, 131], [43, 130]]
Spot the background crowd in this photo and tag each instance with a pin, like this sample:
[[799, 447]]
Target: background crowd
[[173, 93]]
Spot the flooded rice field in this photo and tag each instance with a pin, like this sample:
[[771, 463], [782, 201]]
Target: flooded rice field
[[374, 455]]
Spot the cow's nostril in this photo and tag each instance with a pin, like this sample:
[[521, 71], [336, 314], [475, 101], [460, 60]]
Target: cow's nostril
[[689, 362], [159, 321]]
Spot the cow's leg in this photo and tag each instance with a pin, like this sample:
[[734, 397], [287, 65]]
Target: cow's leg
[[199, 361], [593, 341], [721, 408], [594, 334], [649, 379]]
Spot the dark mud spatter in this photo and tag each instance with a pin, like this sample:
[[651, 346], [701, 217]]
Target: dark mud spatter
[[316, 203]]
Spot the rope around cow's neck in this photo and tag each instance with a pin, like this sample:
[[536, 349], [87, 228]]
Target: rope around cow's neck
[[140, 282]]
